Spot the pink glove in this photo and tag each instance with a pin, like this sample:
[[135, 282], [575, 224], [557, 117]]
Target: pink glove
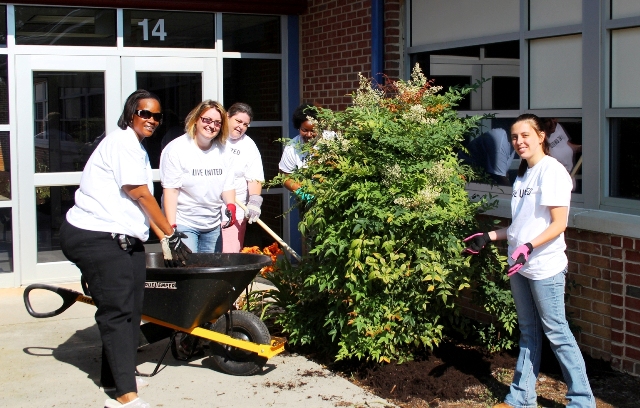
[[521, 256]]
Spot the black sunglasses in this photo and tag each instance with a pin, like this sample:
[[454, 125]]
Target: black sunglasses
[[145, 114]]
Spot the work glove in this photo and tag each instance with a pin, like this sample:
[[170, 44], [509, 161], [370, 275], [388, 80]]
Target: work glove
[[475, 243], [174, 250], [303, 196], [230, 213], [521, 256], [253, 208]]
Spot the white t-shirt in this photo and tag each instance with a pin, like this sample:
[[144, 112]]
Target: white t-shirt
[[559, 148], [100, 202], [292, 157], [545, 184], [201, 177], [247, 166]]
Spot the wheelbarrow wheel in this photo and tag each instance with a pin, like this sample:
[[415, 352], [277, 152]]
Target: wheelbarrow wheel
[[235, 361]]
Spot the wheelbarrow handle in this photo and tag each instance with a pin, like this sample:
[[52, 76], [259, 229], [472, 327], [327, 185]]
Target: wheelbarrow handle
[[69, 297], [273, 234]]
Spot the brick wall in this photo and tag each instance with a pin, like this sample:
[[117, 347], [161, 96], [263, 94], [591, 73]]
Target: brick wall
[[335, 42]]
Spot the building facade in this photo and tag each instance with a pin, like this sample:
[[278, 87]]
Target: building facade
[[66, 68]]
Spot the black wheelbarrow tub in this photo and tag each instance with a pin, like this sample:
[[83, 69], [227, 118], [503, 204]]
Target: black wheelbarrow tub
[[199, 292]]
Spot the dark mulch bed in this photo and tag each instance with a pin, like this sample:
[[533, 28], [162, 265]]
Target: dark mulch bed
[[460, 375]]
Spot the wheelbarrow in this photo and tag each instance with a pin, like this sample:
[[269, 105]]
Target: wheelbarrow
[[193, 304]]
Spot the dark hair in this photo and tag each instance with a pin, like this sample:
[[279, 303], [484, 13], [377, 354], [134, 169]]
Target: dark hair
[[131, 106], [240, 107], [300, 114], [537, 125], [193, 116]]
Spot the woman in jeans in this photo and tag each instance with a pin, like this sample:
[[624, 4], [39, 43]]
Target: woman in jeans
[[197, 178], [537, 267], [103, 235]]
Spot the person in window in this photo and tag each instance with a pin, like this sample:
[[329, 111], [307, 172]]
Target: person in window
[[248, 175], [560, 145], [538, 266], [103, 234], [492, 151], [197, 178]]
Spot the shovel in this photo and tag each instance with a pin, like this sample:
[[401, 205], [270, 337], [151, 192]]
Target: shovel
[[273, 234]]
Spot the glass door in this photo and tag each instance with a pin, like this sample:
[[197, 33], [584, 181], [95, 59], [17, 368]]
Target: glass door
[[64, 115]]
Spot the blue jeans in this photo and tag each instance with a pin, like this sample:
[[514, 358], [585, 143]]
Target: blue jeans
[[202, 241], [540, 307]]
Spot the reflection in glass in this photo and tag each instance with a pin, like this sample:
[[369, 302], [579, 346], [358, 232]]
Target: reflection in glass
[[3, 25], [52, 204], [623, 161], [69, 119], [257, 82], [272, 216], [267, 140], [6, 241], [5, 167], [491, 153], [65, 26], [178, 93], [168, 29], [251, 33], [565, 145], [4, 93]]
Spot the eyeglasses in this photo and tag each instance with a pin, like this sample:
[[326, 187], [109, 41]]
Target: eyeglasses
[[145, 114], [239, 122], [209, 121]]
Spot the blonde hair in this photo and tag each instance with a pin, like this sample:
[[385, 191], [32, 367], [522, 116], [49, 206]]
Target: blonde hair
[[195, 114]]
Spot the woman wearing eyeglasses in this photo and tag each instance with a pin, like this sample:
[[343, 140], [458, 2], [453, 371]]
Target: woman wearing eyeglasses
[[248, 175], [197, 180], [103, 234]]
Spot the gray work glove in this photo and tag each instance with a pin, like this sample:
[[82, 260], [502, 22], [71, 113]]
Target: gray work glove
[[174, 250], [253, 208]]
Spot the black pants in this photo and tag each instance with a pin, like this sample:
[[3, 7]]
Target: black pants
[[116, 281]]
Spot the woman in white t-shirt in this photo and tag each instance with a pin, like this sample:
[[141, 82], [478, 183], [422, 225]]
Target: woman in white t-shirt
[[248, 175], [103, 234], [538, 265], [197, 180]]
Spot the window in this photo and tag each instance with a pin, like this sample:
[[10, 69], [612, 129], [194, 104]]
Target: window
[[168, 29]]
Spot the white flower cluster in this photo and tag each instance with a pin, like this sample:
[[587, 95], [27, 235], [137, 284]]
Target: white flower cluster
[[423, 200], [392, 175], [439, 173], [366, 95], [331, 146], [418, 114]]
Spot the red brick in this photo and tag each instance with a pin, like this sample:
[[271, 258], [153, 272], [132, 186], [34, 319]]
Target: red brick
[[592, 294], [589, 270], [589, 247], [616, 253], [583, 281], [627, 243], [600, 238], [578, 257], [631, 352], [572, 245], [633, 256], [632, 268], [632, 303], [632, 315], [616, 266], [617, 336], [617, 350], [617, 300], [606, 250], [581, 302], [615, 288], [632, 328], [591, 317], [633, 280], [616, 241], [600, 261], [616, 313], [616, 277], [601, 308], [601, 331], [590, 340], [602, 284]]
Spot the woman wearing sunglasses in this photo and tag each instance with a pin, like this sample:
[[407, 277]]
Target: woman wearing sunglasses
[[197, 180], [248, 175], [103, 234]]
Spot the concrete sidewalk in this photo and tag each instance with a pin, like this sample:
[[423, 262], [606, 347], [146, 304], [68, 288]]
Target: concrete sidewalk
[[56, 362]]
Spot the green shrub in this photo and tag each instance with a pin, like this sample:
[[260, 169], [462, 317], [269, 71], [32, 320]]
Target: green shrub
[[385, 273]]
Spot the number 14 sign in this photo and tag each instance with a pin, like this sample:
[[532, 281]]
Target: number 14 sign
[[158, 29]]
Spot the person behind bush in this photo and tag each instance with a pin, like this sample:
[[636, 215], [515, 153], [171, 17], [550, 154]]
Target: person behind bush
[[197, 179], [248, 175], [492, 151], [103, 235], [538, 266]]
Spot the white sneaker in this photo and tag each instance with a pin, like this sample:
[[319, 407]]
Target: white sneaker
[[140, 383], [136, 403]]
